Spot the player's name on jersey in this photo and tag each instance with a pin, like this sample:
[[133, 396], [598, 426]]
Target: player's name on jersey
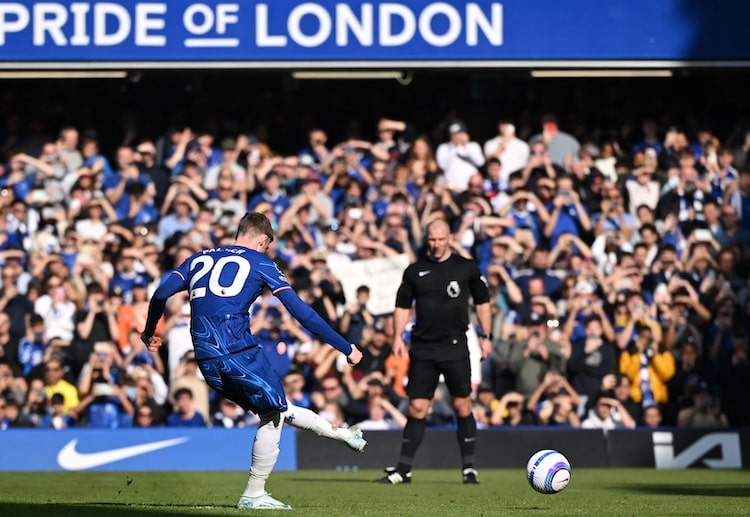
[[237, 251]]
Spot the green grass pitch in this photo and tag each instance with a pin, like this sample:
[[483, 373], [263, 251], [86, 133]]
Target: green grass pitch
[[433, 493]]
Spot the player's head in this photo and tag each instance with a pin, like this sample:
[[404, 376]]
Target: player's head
[[439, 239], [254, 231]]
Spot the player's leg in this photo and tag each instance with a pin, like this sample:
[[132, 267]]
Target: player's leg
[[265, 453], [249, 380], [457, 373], [423, 379], [303, 418]]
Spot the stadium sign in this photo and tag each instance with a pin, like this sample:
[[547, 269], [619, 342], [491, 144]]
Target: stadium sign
[[698, 452], [369, 34]]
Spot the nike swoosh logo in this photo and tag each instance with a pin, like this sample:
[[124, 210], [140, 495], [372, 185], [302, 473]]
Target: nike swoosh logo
[[423, 273], [70, 459]]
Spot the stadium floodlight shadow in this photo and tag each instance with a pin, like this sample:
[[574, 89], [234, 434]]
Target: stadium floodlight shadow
[[688, 490]]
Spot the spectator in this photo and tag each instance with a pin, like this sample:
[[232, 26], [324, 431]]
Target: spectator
[[511, 411], [539, 170], [226, 162], [554, 386], [12, 302], [592, 357], [652, 417], [738, 195], [95, 322], [157, 174], [32, 346], [734, 378], [185, 413], [508, 150], [608, 413], [485, 405], [562, 146], [357, 316], [226, 208], [383, 416], [618, 386], [567, 214], [54, 383], [459, 158], [144, 417], [420, 161], [532, 359], [642, 188], [560, 410], [332, 392], [104, 405], [228, 416], [649, 367], [59, 417], [704, 413], [133, 315], [36, 411], [181, 219], [294, 383], [189, 377]]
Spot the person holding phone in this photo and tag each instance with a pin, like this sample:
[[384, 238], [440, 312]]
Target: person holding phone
[[105, 405]]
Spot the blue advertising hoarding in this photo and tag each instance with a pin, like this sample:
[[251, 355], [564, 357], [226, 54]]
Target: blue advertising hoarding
[[156, 449], [285, 33]]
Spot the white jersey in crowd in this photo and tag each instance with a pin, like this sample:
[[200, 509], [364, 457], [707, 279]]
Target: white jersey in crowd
[[459, 163], [514, 157]]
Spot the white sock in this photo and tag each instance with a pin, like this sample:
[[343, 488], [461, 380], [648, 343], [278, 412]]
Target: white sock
[[265, 452], [308, 420]]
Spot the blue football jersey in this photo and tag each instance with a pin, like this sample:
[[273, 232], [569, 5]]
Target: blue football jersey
[[222, 284]]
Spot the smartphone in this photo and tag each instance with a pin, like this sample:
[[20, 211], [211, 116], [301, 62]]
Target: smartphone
[[102, 348], [103, 389], [703, 235]]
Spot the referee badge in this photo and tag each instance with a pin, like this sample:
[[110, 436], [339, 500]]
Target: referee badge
[[453, 289]]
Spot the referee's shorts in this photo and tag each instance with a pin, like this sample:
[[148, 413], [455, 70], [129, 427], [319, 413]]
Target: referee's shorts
[[427, 361]]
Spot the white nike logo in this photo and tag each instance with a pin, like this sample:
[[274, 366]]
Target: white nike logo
[[70, 459], [423, 273]]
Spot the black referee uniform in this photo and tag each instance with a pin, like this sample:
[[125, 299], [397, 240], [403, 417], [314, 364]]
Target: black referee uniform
[[441, 291]]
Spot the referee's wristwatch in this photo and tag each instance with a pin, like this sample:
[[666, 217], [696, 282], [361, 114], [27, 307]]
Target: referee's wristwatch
[[486, 336]]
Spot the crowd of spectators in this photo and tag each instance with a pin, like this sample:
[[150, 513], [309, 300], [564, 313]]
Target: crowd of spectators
[[618, 272]]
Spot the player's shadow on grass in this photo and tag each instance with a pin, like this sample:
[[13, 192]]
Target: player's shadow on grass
[[370, 481], [704, 490], [108, 509]]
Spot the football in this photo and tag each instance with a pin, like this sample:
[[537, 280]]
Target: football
[[548, 471]]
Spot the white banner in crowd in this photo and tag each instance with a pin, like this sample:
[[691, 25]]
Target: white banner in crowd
[[381, 275]]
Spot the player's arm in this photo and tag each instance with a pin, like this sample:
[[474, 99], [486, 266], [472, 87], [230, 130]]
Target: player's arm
[[402, 314], [315, 324], [174, 283], [481, 295]]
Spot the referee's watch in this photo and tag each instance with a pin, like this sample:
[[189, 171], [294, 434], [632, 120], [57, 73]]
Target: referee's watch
[[486, 336]]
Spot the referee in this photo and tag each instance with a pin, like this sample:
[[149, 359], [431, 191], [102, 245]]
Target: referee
[[441, 285]]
